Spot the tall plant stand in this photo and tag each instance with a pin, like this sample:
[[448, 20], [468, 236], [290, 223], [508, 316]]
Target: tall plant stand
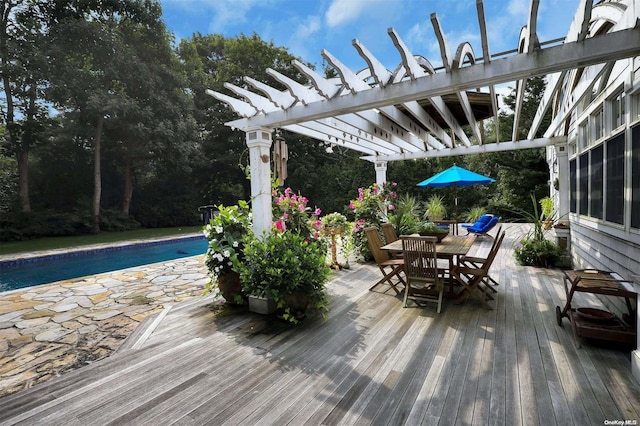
[[595, 323], [333, 232]]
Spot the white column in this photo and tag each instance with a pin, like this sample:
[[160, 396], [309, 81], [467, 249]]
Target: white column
[[562, 157], [259, 143], [381, 172]]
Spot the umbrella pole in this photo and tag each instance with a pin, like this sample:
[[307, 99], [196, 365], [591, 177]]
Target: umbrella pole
[[455, 225]]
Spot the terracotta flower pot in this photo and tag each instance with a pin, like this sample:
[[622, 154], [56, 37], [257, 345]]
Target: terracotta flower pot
[[231, 288]]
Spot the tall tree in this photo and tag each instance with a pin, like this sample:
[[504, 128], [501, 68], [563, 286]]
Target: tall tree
[[23, 28], [90, 57]]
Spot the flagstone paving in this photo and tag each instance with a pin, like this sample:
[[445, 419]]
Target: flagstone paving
[[52, 328]]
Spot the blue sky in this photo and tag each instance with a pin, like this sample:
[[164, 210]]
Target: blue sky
[[306, 27]]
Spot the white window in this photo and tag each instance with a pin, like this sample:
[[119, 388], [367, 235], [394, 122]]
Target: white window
[[617, 110], [635, 107], [598, 124], [583, 135]]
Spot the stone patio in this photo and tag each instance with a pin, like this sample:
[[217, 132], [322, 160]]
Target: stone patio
[[49, 329]]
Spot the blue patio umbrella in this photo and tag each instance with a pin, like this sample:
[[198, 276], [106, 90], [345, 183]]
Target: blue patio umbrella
[[456, 176]]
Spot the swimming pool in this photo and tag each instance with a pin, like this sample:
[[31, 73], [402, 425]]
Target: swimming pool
[[15, 274]]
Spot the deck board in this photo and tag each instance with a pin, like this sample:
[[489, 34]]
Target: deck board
[[370, 361]]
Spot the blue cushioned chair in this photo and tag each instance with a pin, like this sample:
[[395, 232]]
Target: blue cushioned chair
[[483, 229], [482, 220]]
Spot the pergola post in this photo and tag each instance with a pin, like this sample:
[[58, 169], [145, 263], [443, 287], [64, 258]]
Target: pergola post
[[381, 172], [259, 143], [562, 158]]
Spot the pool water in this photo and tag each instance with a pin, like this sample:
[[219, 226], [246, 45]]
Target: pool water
[[41, 270]]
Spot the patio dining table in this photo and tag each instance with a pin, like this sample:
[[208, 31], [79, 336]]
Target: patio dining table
[[451, 248]]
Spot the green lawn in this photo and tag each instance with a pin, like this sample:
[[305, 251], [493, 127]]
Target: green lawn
[[82, 240]]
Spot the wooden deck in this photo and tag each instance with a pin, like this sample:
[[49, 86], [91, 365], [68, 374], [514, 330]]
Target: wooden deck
[[369, 362]]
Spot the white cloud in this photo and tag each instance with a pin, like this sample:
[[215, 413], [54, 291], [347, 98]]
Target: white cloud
[[222, 13], [302, 37], [344, 11], [307, 28], [229, 13]]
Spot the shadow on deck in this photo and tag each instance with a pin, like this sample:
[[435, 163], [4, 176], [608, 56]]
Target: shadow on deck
[[369, 362]]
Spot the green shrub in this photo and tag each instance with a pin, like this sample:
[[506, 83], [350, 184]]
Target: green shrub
[[543, 252], [285, 264]]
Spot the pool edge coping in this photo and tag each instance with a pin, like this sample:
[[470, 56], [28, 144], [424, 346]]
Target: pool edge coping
[[44, 254]]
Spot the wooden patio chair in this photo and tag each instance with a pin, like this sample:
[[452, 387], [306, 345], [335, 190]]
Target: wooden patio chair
[[389, 233], [390, 268], [476, 261], [425, 282], [474, 279]]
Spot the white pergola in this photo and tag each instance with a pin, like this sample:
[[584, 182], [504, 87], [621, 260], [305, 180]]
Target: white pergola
[[417, 111]]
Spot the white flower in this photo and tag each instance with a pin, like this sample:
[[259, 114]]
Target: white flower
[[230, 263], [219, 229], [226, 253], [235, 244]]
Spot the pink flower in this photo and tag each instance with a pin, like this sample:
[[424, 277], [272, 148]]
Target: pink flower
[[394, 184], [318, 224], [316, 235], [287, 191], [280, 226], [392, 207], [301, 207], [294, 197], [285, 215], [351, 205], [318, 212]]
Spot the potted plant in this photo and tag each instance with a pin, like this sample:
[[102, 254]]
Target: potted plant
[[547, 211], [430, 229], [435, 208], [333, 224], [226, 232], [288, 268], [406, 215], [534, 249]]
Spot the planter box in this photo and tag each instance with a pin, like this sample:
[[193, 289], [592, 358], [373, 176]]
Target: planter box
[[262, 305], [563, 238]]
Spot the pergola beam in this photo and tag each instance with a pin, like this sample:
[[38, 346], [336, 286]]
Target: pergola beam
[[474, 149]]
